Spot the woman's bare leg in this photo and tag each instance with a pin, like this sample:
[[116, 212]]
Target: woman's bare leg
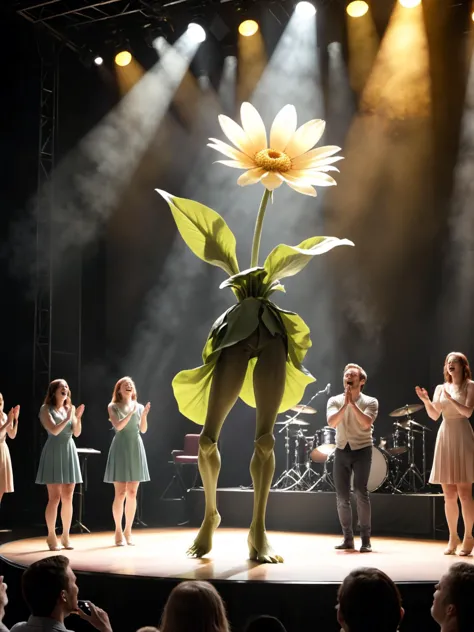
[[130, 509], [229, 375], [117, 511], [467, 508], [51, 514], [67, 493], [451, 510]]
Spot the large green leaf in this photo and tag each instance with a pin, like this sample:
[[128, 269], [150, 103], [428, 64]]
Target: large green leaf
[[204, 231], [285, 261]]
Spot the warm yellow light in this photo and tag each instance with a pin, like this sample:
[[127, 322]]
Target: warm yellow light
[[357, 9], [472, 16], [409, 4], [123, 58], [248, 28]]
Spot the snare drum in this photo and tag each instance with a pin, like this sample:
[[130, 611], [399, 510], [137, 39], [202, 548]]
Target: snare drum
[[394, 444], [324, 444]]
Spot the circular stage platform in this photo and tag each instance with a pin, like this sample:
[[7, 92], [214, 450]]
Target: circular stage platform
[[304, 587], [309, 558]]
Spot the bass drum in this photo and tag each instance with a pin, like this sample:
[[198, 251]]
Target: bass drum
[[379, 470]]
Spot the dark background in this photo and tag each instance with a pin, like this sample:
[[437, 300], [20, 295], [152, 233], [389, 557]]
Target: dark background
[[391, 300]]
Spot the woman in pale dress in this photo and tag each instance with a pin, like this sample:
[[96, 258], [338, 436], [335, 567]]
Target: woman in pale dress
[[453, 464], [8, 426], [126, 463], [59, 467]]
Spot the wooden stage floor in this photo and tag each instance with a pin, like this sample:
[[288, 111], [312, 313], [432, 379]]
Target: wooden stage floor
[[309, 558]]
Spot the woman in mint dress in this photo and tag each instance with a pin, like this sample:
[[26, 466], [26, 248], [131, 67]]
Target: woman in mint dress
[[59, 467], [126, 464]]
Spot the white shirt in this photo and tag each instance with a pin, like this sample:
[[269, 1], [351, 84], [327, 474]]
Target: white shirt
[[349, 431]]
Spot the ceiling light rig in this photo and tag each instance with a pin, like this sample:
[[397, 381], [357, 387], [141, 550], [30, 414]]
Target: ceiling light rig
[[357, 8], [409, 4], [247, 28], [305, 9], [196, 32], [123, 58]]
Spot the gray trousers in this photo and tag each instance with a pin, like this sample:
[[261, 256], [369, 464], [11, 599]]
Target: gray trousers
[[346, 462]]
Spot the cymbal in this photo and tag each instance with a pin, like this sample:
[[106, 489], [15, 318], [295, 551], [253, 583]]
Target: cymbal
[[301, 408], [408, 409], [404, 426], [409, 423], [295, 422]]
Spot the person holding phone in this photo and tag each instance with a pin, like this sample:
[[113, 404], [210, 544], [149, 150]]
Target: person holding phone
[[50, 590]]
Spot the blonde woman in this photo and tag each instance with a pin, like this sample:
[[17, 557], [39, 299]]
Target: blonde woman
[[59, 467], [126, 464], [453, 464], [8, 427]]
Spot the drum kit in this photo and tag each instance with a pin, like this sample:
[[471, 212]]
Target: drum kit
[[310, 457]]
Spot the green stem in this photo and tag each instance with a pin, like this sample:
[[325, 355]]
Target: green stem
[[257, 233]]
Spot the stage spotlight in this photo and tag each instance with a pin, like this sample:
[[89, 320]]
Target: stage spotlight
[[357, 9], [98, 61], [472, 16], [196, 32], [409, 4], [123, 58], [305, 9], [247, 28]]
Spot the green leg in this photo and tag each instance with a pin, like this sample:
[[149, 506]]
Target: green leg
[[269, 385], [227, 383]]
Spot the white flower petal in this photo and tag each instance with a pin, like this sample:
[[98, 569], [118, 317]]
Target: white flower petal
[[251, 177], [236, 135], [309, 158], [272, 181], [305, 137], [326, 168], [253, 126], [305, 189], [229, 151], [310, 176], [232, 163], [283, 128]]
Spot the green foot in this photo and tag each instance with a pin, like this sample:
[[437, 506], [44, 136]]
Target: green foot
[[260, 549], [203, 542]]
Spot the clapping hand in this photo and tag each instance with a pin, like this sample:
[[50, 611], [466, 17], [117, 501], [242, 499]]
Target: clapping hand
[[422, 393], [146, 410], [348, 396], [16, 412], [447, 394], [98, 618], [79, 412]]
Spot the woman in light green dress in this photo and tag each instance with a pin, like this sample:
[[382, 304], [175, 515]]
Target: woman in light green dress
[[126, 464], [59, 467]]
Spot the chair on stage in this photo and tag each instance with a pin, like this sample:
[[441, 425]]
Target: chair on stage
[[183, 460]]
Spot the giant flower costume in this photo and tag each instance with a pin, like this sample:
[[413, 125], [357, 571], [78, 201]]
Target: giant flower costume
[[255, 349]]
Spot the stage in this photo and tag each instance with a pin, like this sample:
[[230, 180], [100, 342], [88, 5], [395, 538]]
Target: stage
[[309, 558], [294, 591]]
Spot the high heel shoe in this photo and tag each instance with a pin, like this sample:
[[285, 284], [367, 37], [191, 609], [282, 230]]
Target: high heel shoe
[[452, 550], [52, 543], [467, 546], [66, 543]]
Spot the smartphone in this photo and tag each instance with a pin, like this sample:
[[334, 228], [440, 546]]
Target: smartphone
[[84, 606]]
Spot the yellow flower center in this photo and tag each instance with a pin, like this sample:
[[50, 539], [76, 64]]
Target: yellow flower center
[[272, 160]]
